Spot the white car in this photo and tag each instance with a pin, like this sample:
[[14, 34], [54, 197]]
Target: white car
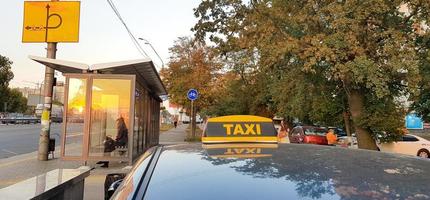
[[410, 145]]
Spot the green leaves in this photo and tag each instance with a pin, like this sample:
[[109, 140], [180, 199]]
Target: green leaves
[[6, 74], [192, 65], [12, 97], [305, 57]]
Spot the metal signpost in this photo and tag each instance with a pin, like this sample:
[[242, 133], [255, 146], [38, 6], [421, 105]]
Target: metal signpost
[[192, 96], [50, 22]]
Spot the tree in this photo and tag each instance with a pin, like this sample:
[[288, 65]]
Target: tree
[[16, 102], [232, 97], [363, 52], [192, 65], [6, 75], [421, 102]]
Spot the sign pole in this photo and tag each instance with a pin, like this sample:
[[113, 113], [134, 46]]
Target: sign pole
[[193, 118], [46, 113], [192, 96]]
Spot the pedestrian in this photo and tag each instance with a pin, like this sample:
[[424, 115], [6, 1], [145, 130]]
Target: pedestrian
[[331, 137], [283, 133], [175, 123]]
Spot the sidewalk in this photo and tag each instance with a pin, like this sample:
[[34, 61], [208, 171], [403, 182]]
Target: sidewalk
[[174, 135], [21, 167]]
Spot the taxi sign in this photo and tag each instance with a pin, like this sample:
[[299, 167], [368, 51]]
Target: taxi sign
[[239, 128], [46, 21]]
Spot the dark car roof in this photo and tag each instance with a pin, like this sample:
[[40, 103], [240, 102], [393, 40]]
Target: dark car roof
[[289, 171]]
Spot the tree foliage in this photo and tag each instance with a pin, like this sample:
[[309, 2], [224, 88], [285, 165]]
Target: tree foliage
[[421, 102], [318, 59], [16, 101], [5, 76], [192, 65], [13, 98]]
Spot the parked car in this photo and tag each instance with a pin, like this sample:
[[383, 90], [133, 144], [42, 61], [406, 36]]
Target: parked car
[[264, 171], [408, 144], [309, 135]]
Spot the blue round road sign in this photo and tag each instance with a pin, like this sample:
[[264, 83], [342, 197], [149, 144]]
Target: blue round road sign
[[192, 94]]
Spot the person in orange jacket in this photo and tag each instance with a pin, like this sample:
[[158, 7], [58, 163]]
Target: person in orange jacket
[[331, 137]]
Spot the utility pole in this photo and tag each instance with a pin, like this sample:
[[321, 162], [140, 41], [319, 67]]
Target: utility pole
[[46, 113]]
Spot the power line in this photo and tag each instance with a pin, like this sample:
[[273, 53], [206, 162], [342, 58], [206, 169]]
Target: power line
[[133, 39]]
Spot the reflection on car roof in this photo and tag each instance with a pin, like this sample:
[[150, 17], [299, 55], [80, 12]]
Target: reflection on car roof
[[290, 172]]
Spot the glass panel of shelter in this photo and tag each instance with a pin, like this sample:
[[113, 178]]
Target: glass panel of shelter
[[75, 117], [110, 121]]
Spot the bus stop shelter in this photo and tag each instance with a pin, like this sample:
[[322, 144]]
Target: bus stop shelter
[[111, 110]]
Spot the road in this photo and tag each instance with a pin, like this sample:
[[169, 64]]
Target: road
[[21, 139]]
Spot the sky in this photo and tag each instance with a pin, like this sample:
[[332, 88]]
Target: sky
[[102, 37]]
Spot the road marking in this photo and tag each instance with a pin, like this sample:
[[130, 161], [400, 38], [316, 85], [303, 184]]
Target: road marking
[[5, 150]]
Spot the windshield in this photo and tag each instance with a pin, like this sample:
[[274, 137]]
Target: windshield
[[314, 131]]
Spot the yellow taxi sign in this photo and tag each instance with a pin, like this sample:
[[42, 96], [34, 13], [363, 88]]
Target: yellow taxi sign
[[239, 128], [46, 21]]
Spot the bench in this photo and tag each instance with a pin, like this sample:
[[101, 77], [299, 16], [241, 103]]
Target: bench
[[56, 184], [120, 150]]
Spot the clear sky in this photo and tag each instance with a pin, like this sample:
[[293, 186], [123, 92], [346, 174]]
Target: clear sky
[[102, 36]]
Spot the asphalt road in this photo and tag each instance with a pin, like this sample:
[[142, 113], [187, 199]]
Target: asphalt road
[[21, 139]]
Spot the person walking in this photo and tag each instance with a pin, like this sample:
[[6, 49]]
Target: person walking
[[175, 123], [331, 137]]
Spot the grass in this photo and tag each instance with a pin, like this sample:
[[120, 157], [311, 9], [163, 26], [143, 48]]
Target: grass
[[166, 127], [197, 138]]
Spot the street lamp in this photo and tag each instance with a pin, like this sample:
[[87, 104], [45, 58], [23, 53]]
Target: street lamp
[[148, 43]]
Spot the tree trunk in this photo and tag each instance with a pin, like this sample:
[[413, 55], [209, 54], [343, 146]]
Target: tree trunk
[[289, 123], [356, 108], [347, 122]]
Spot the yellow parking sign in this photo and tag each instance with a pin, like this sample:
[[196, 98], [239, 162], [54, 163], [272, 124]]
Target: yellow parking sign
[[47, 21]]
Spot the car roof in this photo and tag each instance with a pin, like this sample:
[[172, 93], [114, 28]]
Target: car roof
[[419, 137], [196, 171]]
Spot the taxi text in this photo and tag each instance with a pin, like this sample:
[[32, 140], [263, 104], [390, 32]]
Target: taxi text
[[246, 129]]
